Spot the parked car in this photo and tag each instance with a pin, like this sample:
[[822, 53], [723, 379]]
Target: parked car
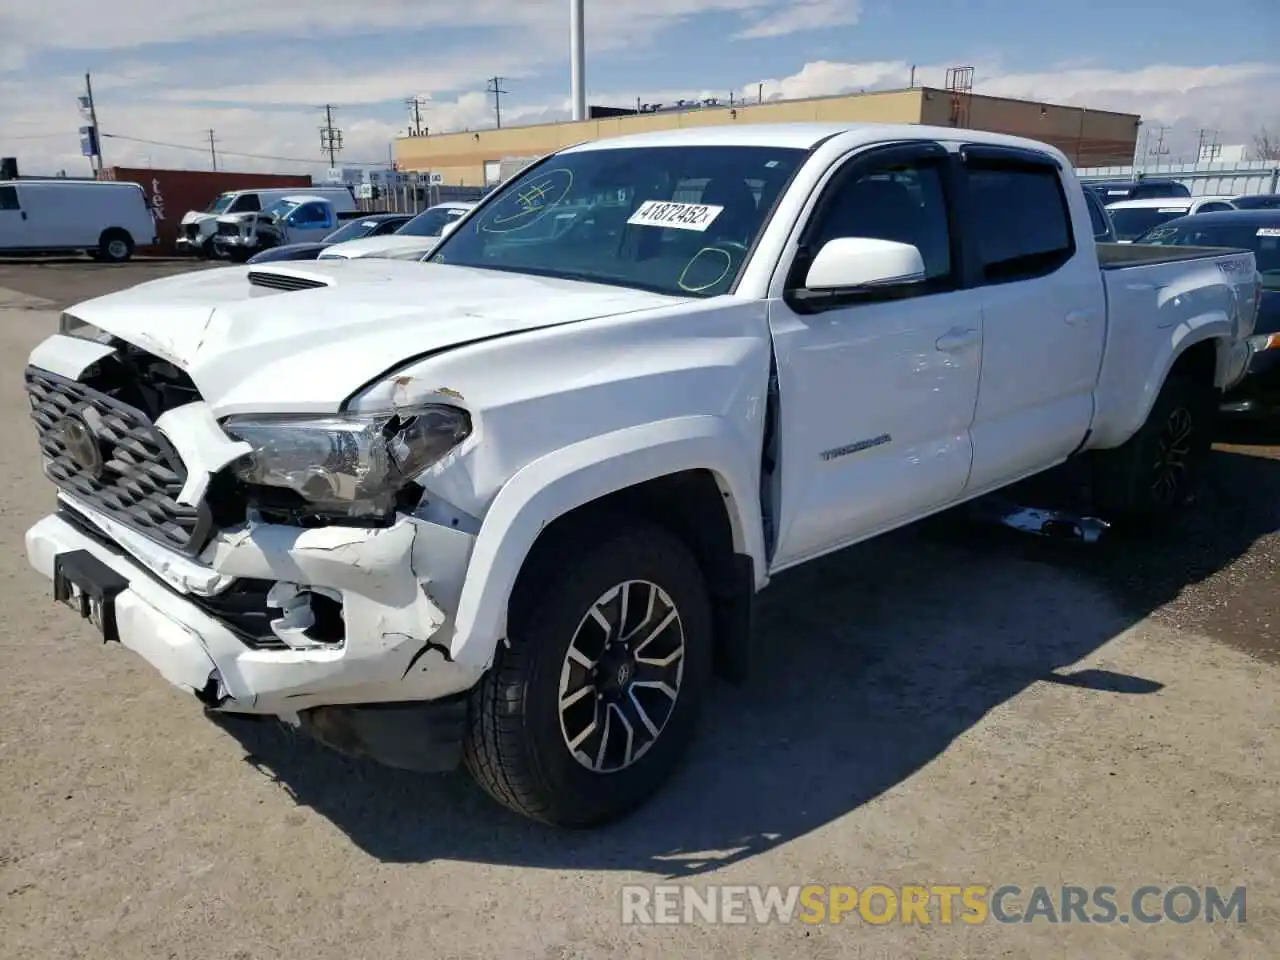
[[1135, 217], [109, 219], [1258, 231], [367, 225], [420, 234], [297, 218], [1257, 201], [511, 506], [199, 227], [1143, 188]]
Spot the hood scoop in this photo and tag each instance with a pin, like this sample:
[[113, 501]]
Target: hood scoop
[[285, 281]]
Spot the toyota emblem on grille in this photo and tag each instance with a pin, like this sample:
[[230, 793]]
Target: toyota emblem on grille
[[81, 445]]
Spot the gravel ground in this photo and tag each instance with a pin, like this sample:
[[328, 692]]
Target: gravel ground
[[946, 706]]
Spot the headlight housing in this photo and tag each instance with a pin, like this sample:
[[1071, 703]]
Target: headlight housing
[[352, 466], [72, 326]]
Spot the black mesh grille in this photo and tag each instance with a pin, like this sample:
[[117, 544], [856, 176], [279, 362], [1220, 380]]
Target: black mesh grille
[[283, 281], [139, 476], [193, 231]]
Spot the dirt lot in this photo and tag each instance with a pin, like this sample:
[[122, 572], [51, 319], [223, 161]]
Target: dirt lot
[[965, 706]]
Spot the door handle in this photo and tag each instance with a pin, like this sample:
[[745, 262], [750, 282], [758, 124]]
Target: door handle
[[957, 339]]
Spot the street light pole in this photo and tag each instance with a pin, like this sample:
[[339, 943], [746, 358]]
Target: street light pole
[[578, 58]]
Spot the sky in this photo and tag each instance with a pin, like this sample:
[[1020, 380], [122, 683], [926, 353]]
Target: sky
[[258, 73]]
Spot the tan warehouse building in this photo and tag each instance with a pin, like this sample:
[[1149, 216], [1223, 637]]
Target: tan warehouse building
[[1090, 138]]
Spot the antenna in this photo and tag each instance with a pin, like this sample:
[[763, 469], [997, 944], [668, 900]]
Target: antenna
[[495, 87], [330, 137], [960, 86]]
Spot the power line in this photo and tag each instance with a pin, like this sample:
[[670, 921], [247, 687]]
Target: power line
[[237, 153], [495, 87]]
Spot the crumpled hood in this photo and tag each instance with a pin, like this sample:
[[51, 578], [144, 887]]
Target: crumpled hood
[[372, 246], [198, 216], [251, 348]]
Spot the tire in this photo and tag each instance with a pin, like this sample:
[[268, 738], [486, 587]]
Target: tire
[[1148, 481], [114, 246], [518, 742], [208, 250]]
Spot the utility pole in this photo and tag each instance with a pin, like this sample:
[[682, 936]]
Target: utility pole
[[416, 104], [495, 87], [330, 137], [94, 161], [213, 152], [578, 58]]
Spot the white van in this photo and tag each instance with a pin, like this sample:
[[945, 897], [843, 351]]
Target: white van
[[199, 226], [107, 219]]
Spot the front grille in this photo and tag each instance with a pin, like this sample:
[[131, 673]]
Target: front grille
[[193, 231], [135, 476], [283, 281], [228, 229]]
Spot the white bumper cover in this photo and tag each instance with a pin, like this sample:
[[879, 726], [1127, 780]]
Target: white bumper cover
[[399, 586]]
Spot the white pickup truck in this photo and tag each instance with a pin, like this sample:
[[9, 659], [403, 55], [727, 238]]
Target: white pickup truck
[[510, 506]]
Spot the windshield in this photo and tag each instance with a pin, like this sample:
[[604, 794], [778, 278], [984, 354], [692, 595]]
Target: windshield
[[1262, 239], [429, 223], [1132, 222], [352, 230], [219, 203], [281, 209], [1258, 201], [674, 220]]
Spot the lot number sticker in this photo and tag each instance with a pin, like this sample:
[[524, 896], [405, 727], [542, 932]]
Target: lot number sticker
[[678, 216]]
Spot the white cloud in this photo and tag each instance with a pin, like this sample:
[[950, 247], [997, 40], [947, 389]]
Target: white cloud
[[802, 15]]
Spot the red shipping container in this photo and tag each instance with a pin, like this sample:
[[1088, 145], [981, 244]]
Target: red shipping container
[[172, 193]]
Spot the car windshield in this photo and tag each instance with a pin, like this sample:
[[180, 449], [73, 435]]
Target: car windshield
[[1262, 238], [674, 220], [281, 209], [219, 203], [429, 223], [352, 230], [1132, 222]]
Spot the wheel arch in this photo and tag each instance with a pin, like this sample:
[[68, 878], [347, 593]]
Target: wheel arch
[[693, 476]]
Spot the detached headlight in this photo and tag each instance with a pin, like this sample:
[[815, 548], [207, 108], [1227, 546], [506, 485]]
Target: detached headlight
[[73, 326], [349, 465]]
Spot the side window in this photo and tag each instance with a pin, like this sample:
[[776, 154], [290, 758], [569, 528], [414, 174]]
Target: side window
[[9, 198], [245, 203], [1021, 221], [311, 215], [905, 203]]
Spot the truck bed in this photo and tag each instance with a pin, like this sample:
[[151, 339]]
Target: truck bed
[[1115, 256]]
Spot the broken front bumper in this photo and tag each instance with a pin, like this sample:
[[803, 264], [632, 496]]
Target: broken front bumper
[[397, 587]]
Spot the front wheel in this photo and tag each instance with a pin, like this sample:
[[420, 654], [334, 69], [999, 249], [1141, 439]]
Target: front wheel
[[1145, 483], [594, 698]]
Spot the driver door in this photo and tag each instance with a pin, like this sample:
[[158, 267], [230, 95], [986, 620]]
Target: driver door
[[311, 221], [878, 386]]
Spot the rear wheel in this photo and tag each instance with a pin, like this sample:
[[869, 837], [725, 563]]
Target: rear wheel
[[115, 246], [594, 698], [1146, 482]]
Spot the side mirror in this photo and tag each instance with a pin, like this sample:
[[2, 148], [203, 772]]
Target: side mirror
[[847, 262]]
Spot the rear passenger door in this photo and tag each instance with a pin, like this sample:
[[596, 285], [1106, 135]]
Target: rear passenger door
[[1043, 315]]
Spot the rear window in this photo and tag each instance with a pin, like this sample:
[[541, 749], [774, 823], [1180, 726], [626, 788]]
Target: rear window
[[1022, 222], [1133, 222]]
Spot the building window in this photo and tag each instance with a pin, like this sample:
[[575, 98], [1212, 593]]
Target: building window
[[492, 172]]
